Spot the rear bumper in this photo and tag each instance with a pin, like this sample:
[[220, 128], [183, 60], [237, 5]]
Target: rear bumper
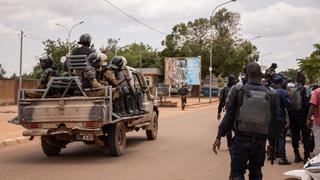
[[36, 132], [71, 132]]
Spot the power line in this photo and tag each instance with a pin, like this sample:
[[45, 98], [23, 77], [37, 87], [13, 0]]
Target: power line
[[28, 34], [35, 37], [134, 18]]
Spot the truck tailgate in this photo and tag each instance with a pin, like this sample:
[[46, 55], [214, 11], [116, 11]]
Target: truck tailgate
[[66, 110]]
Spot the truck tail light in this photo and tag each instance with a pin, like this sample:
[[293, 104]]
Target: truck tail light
[[91, 124], [33, 125]]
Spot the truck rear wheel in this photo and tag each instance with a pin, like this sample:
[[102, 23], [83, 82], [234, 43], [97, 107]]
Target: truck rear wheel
[[116, 139], [152, 134], [48, 148]]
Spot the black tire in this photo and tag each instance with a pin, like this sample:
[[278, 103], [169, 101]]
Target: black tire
[[152, 134], [116, 139], [48, 148]]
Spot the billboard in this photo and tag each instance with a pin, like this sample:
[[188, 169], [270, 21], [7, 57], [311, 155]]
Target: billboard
[[184, 70]]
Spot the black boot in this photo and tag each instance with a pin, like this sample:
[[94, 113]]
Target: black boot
[[297, 157], [134, 106], [283, 161], [122, 109], [128, 105]]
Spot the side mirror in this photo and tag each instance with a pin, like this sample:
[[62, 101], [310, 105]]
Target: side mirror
[[63, 59]]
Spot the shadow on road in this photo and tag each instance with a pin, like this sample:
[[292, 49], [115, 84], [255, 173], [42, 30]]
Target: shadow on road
[[75, 153]]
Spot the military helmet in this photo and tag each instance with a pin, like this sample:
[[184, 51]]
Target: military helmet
[[103, 58], [274, 65], [47, 59], [85, 39], [93, 58], [117, 62]]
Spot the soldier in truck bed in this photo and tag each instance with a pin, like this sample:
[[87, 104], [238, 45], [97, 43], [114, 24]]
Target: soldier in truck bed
[[89, 76], [46, 62], [109, 75], [84, 49]]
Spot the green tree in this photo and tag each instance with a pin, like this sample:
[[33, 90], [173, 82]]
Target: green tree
[[2, 72], [311, 64], [111, 48], [134, 52], [14, 76], [194, 38], [291, 74]]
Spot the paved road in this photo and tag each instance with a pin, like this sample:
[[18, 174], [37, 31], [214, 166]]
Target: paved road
[[182, 151]]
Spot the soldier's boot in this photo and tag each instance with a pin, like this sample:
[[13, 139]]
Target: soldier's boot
[[297, 157], [135, 106], [128, 105], [283, 161], [122, 108], [115, 107]]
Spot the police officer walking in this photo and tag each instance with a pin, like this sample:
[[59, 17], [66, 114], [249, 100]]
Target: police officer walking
[[253, 109], [285, 103], [222, 101], [300, 107]]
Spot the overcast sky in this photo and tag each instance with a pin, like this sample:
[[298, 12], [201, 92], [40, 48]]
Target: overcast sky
[[288, 28]]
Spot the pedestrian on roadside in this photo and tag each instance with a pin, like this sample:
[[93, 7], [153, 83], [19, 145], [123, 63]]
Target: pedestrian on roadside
[[183, 92], [314, 112], [222, 101], [300, 106], [253, 110]]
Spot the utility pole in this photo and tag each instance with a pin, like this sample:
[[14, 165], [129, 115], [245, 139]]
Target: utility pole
[[20, 71]]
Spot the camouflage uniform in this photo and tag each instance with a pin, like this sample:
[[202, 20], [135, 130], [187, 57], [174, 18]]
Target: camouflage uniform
[[45, 77], [90, 81], [108, 76]]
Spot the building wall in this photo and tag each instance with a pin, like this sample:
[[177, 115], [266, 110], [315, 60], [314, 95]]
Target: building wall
[[9, 89]]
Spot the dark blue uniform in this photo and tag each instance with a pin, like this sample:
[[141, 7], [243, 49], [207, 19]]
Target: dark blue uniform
[[247, 152], [299, 125], [284, 103], [222, 101]]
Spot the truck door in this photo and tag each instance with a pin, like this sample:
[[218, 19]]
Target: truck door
[[144, 93]]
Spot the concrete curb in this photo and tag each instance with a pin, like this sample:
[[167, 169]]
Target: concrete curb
[[201, 104], [13, 141]]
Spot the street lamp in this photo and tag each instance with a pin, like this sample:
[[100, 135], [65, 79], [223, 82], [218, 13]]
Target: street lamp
[[210, 67], [69, 32], [257, 37]]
